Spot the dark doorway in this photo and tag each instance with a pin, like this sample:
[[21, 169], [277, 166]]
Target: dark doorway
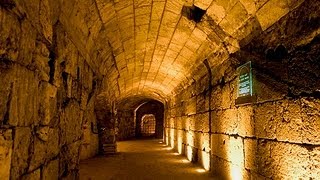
[[149, 119]]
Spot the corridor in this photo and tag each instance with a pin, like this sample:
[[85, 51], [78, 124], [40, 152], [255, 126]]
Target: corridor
[[141, 159], [231, 85]]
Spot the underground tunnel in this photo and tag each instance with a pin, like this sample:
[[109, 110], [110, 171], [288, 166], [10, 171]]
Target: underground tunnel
[[159, 89]]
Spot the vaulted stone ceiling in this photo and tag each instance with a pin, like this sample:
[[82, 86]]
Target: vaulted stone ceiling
[[148, 48]]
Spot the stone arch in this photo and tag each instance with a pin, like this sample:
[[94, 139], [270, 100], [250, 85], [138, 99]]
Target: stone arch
[[152, 107]]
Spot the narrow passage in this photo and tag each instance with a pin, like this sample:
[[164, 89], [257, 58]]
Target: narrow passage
[[141, 159]]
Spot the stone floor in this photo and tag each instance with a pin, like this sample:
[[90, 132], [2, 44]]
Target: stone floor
[[141, 159]]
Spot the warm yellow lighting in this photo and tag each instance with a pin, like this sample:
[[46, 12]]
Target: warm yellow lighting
[[189, 153], [160, 142], [236, 173], [190, 141], [168, 148], [205, 160], [180, 142], [172, 137], [201, 170], [185, 161], [236, 156], [176, 154], [167, 139]]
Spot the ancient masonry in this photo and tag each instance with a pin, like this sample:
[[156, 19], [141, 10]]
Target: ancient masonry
[[78, 75]]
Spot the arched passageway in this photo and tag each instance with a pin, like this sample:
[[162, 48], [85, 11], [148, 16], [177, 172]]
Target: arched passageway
[[73, 72]]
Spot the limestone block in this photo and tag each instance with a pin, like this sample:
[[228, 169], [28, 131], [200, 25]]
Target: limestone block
[[157, 10], [216, 99], [249, 5], [70, 157], [297, 120], [51, 170], [174, 6], [27, 39], [202, 122], [265, 123], [5, 153], [9, 35], [226, 95], [44, 150], [7, 70], [246, 121], [24, 103], [271, 12], [48, 101], [201, 103], [284, 160], [45, 17], [20, 153], [225, 121], [41, 59], [250, 29], [250, 152], [218, 145], [203, 4], [35, 175], [71, 123], [220, 167], [234, 19]]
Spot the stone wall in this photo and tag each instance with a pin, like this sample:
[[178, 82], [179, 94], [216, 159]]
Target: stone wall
[[46, 98], [126, 125], [276, 137]]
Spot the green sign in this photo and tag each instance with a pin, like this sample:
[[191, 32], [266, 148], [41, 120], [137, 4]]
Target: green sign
[[244, 84]]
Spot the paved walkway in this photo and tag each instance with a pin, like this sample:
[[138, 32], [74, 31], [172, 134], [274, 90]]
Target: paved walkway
[[141, 159]]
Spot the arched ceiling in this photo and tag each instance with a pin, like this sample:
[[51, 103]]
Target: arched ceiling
[[147, 48]]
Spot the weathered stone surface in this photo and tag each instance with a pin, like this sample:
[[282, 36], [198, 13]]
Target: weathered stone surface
[[22, 143], [35, 175], [48, 107], [44, 148], [24, 91], [51, 170], [5, 153]]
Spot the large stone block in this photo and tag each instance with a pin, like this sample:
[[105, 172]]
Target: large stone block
[[21, 151], [265, 120], [48, 103], [7, 69], [5, 153], [25, 101], [9, 35], [202, 122], [51, 170], [35, 175], [69, 158], [44, 149], [246, 121], [225, 121], [71, 123], [279, 9], [278, 160], [250, 151]]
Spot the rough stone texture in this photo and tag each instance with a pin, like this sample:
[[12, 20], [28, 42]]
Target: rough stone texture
[[66, 66], [45, 87], [275, 137], [5, 153], [126, 125]]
